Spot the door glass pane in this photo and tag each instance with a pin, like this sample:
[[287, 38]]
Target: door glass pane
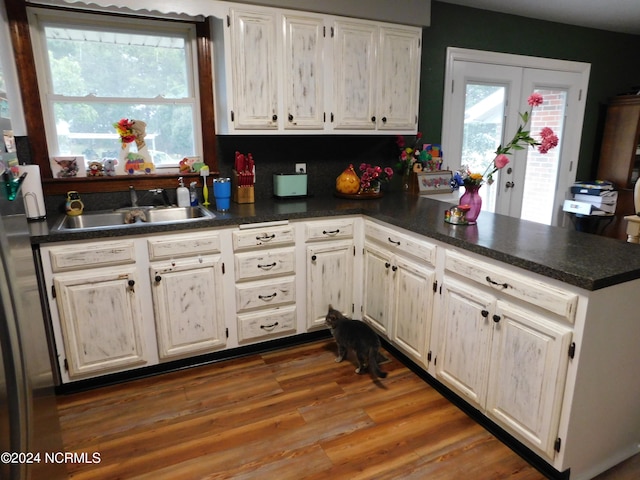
[[542, 170], [483, 126]]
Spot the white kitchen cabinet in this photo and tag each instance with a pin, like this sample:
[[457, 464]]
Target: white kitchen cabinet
[[254, 59], [304, 71], [284, 71], [502, 351], [265, 286], [329, 261], [100, 320], [188, 306], [376, 76], [399, 277]]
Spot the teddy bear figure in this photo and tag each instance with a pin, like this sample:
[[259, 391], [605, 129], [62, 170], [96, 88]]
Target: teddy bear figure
[[95, 169]]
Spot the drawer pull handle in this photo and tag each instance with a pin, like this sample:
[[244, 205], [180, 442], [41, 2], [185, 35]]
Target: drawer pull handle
[[485, 313], [496, 318], [331, 232], [268, 297], [393, 241], [269, 327], [267, 266], [265, 238], [503, 285]]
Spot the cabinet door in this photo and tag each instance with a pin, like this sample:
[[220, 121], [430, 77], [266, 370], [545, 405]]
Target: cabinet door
[[413, 297], [378, 283], [329, 280], [465, 340], [188, 306], [399, 67], [100, 320], [303, 72], [529, 361], [254, 53], [354, 75]]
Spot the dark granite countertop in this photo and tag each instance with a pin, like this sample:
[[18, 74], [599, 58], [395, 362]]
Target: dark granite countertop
[[587, 261]]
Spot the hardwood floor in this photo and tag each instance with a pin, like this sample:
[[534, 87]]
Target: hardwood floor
[[288, 414]]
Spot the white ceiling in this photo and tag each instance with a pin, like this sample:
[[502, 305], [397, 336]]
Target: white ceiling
[[613, 15]]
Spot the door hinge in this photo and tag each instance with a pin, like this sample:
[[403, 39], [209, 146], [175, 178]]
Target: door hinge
[[66, 365], [331, 117], [572, 350], [228, 21], [232, 116], [53, 291], [324, 117], [324, 31], [353, 308], [332, 32], [226, 331], [579, 94], [223, 269], [354, 250], [557, 445], [435, 286], [429, 356]]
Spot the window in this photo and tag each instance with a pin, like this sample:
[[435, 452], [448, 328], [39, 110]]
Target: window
[[94, 70]]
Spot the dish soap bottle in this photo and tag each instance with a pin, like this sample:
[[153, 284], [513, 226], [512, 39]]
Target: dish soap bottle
[[182, 194]]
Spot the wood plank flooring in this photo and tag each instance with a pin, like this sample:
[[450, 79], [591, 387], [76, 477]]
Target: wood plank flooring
[[289, 414]]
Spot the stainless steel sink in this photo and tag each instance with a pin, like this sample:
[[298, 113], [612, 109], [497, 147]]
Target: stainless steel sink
[[131, 217]]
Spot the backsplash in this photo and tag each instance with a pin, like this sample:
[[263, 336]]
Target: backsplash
[[326, 157]]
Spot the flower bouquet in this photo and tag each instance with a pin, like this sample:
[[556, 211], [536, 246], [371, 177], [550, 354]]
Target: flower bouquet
[[372, 177]]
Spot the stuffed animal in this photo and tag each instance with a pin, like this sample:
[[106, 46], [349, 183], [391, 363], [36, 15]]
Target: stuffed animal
[[185, 165], [109, 166], [95, 169]]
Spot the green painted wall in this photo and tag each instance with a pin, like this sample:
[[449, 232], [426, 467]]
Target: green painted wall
[[614, 59]]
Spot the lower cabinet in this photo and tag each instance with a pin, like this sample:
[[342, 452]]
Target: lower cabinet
[[188, 306], [100, 320], [506, 357]]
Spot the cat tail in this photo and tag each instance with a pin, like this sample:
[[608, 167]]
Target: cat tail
[[373, 364]]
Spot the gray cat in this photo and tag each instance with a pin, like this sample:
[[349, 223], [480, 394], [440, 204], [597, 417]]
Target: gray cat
[[357, 336]]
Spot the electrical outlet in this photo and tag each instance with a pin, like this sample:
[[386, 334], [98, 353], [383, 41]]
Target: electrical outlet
[[301, 168]]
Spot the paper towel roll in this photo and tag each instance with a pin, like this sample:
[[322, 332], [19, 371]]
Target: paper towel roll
[[32, 192]]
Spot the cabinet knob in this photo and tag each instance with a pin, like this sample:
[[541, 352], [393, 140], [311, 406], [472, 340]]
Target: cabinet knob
[[290, 118], [387, 265], [373, 119], [394, 268], [131, 283], [384, 119], [496, 318], [485, 313], [274, 118], [314, 258], [158, 278]]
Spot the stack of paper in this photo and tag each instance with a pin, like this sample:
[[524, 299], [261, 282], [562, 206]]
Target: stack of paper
[[592, 198]]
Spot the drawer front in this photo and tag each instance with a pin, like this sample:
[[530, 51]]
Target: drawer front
[[329, 229], [400, 243], [270, 323], [263, 237], [101, 254], [276, 262], [189, 244], [267, 293], [555, 300]]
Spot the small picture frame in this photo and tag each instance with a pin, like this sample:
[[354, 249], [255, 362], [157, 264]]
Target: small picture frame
[[438, 181]]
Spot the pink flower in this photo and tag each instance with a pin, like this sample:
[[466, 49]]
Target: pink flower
[[546, 132], [418, 135], [535, 99], [400, 141], [501, 160], [548, 143]]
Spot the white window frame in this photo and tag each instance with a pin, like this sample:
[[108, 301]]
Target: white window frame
[[39, 17]]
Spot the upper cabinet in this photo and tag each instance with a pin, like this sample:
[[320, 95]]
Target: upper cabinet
[[280, 71]]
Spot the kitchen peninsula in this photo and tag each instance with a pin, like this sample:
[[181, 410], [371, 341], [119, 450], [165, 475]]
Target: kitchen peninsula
[[541, 307]]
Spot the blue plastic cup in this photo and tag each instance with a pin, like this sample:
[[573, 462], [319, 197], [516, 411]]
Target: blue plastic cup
[[222, 193]]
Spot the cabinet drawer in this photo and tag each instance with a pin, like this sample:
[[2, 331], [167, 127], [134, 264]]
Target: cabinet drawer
[[274, 322], [188, 244], [89, 255], [555, 300], [263, 237], [262, 264], [400, 243], [267, 293], [329, 229]]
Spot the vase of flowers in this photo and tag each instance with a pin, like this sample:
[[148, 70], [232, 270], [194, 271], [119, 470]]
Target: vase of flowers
[[522, 139], [408, 156], [372, 177]]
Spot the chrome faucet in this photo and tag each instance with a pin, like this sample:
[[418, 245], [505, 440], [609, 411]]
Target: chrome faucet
[[133, 195], [165, 196]]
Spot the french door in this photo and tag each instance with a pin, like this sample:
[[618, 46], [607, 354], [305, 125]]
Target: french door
[[485, 94]]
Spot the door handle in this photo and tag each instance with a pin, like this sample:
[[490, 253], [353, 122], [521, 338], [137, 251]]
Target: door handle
[[509, 185]]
